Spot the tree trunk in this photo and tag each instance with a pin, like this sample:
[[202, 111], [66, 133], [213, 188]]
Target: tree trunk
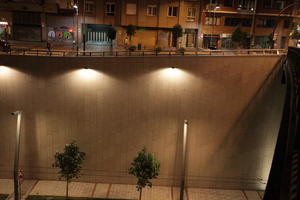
[[67, 190], [141, 194], [130, 40], [111, 47]]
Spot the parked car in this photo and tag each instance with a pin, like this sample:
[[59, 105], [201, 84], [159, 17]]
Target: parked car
[[4, 46]]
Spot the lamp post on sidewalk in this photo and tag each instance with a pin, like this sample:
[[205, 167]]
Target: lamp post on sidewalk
[[77, 31], [17, 152], [213, 8], [184, 151]]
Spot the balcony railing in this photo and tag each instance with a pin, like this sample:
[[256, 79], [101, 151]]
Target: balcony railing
[[60, 53]]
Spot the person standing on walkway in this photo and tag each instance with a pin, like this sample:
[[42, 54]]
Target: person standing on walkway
[[48, 46]]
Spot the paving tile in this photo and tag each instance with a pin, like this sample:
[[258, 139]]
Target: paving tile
[[6, 186], [176, 193], [101, 190], [215, 194], [157, 193], [252, 195], [58, 188], [123, 191], [261, 194]]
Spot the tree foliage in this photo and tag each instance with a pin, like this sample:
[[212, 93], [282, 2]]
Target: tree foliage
[[130, 31], [144, 167], [111, 33], [69, 162], [177, 31], [238, 36], [295, 34]]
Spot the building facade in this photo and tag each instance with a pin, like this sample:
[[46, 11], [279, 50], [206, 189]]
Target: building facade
[[206, 23]]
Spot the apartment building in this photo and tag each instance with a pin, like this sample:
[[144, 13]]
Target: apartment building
[[206, 23], [259, 19]]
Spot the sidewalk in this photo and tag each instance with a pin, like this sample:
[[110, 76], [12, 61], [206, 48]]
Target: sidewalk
[[122, 191]]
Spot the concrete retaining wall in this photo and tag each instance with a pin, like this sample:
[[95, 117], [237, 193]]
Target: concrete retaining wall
[[120, 105]]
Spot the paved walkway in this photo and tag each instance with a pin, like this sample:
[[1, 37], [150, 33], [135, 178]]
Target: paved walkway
[[104, 190]]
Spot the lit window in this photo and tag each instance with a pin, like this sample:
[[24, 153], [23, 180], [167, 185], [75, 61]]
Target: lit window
[[191, 15], [172, 12], [89, 7], [266, 23], [151, 10], [215, 21], [110, 9], [131, 9], [279, 5]]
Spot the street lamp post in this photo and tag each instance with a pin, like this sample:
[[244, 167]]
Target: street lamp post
[[77, 31], [184, 151], [276, 22], [214, 21], [17, 152], [252, 38]]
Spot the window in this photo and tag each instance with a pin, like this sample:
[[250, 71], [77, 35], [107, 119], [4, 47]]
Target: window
[[268, 3], [89, 7], [279, 5], [172, 12], [151, 10], [215, 21], [131, 9], [27, 18], [228, 3], [286, 23], [110, 9], [191, 14], [238, 22], [266, 23]]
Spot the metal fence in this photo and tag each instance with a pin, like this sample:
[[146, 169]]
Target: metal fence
[[240, 52]]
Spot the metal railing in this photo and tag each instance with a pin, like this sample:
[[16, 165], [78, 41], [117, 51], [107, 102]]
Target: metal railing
[[69, 53]]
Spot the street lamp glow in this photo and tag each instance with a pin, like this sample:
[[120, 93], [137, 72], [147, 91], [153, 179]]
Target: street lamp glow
[[87, 74], [75, 6], [4, 69]]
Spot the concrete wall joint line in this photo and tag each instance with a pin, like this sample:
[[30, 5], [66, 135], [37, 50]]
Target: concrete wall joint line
[[108, 190], [93, 191], [246, 197]]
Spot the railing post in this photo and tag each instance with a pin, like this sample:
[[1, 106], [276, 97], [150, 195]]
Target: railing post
[[116, 53], [37, 52], [23, 52]]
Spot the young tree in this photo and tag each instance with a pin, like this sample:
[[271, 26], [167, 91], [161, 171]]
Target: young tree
[[144, 167], [238, 36], [111, 34], [69, 162], [177, 32], [130, 31]]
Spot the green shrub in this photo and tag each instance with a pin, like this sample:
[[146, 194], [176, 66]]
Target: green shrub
[[158, 49], [131, 48], [181, 50]]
